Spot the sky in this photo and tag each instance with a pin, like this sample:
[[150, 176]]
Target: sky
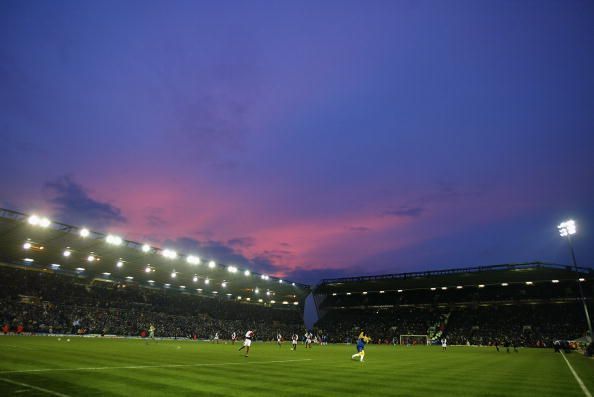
[[306, 139]]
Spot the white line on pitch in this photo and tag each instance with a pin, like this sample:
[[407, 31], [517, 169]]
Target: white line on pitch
[[579, 381], [150, 366], [41, 389]]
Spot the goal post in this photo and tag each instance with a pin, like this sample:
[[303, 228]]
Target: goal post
[[414, 340]]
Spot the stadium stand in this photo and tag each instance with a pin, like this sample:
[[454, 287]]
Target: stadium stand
[[528, 304]]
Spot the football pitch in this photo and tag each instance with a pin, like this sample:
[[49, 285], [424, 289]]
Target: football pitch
[[46, 366]]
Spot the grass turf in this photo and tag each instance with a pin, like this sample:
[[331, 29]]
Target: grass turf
[[86, 366]]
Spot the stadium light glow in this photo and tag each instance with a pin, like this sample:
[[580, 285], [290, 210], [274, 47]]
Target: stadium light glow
[[400, 290], [84, 232], [444, 288], [272, 301], [80, 269], [120, 263], [106, 274], [231, 269], [215, 292], [459, 287], [182, 286], [151, 281], [113, 239], [39, 221], [239, 298], [382, 292], [248, 299], [173, 274], [246, 273], [264, 277], [285, 302], [567, 228], [67, 253], [167, 285], [481, 285], [504, 284], [199, 289], [529, 283], [193, 260], [293, 284], [212, 264], [257, 290], [224, 284], [195, 278], [348, 293], [146, 248], [33, 220], [27, 245], [129, 278], [581, 279], [334, 294], [91, 258], [364, 292], [44, 222], [206, 281], [147, 269], [167, 253], [295, 303], [229, 295], [433, 288], [280, 281], [55, 265], [555, 281], [267, 293]]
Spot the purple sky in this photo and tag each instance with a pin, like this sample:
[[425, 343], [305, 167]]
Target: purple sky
[[306, 139]]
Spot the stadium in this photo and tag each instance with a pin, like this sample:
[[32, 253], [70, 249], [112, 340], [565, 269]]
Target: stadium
[[77, 306]]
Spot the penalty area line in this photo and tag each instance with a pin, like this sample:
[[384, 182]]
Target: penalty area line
[[24, 371], [28, 386], [577, 378]]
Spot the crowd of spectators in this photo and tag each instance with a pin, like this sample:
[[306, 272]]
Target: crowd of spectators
[[43, 302]]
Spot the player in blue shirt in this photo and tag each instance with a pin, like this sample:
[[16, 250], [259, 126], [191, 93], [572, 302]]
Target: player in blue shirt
[[361, 342]]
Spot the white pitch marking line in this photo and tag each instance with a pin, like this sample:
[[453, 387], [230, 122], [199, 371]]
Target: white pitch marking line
[[579, 381], [149, 366], [41, 389]]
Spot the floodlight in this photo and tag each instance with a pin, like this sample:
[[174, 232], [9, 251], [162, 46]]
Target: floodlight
[[280, 281], [272, 301], [444, 288], [364, 292], [67, 253], [382, 292], [267, 293], [91, 258], [27, 245], [295, 303], [129, 277], [554, 281], [400, 290], [224, 284], [173, 274], [147, 269], [259, 300], [334, 294], [567, 228], [106, 274], [348, 293], [231, 269], [28, 260], [33, 220], [206, 281], [80, 269], [195, 278], [212, 264], [257, 290], [193, 260], [84, 232], [285, 302], [529, 282], [481, 285], [581, 279], [44, 222], [182, 286], [114, 240], [504, 284], [167, 253], [433, 288], [146, 248], [459, 287], [120, 263], [293, 284], [246, 273]]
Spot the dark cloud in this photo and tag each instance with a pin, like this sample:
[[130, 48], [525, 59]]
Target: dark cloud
[[222, 253], [405, 212], [359, 229], [74, 204], [242, 242]]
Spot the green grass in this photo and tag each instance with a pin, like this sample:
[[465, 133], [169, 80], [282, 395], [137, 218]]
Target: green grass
[[198, 368]]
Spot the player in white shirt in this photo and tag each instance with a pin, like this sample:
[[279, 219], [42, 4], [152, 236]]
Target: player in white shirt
[[248, 342], [216, 338], [152, 330], [233, 338], [279, 339], [308, 336], [295, 339], [444, 344]]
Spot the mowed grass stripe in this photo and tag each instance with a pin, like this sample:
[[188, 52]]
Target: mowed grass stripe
[[387, 371]]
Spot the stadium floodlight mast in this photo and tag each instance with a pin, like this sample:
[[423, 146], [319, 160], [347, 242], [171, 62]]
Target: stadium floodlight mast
[[568, 229]]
